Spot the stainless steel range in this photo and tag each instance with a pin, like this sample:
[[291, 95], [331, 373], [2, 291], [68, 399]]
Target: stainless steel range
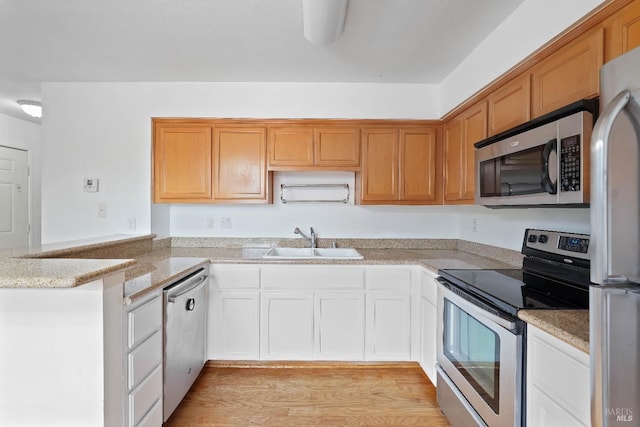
[[481, 344]]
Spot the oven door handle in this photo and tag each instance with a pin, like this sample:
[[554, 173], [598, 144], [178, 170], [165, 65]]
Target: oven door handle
[[472, 305]]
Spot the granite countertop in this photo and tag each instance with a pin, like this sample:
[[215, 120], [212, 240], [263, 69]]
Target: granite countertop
[[145, 277], [432, 259], [570, 326], [146, 269], [56, 273]]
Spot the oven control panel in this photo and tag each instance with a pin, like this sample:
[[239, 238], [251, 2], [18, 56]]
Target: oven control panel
[[560, 243]]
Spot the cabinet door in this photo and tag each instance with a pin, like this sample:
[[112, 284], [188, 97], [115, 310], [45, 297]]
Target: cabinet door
[[428, 323], [337, 147], [417, 172], [290, 147], [240, 163], [380, 165], [474, 130], [182, 167], [568, 75], [236, 331], [388, 326], [622, 31], [557, 382], [428, 350], [510, 105], [453, 153], [340, 325], [287, 326]]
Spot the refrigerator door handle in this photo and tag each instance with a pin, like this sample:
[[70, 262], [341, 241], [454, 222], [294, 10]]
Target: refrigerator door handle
[[600, 260]]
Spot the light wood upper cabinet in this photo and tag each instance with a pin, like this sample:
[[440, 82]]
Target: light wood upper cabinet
[[460, 135], [510, 105], [380, 160], [622, 31], [291, 146], [205, 163], [569, 74], [337, 146], [453, 155], [182, 163], [417, 170], [240, 167], [307, 148], [399, 166]]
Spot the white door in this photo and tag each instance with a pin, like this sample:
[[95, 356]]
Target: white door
[[14, 198]]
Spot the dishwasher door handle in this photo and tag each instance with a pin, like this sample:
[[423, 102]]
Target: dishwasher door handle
[[188, 287]]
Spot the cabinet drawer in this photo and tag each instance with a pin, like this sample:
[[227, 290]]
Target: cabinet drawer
[[146, 399], [153, 417], [235, 277], [144, 359], [391, 279], [144, 321], [312, 278]]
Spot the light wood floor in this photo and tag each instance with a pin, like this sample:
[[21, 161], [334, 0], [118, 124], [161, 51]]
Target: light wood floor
[[310, 396]]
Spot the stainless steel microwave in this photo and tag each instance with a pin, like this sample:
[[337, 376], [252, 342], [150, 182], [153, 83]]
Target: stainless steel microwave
[[543, 162]]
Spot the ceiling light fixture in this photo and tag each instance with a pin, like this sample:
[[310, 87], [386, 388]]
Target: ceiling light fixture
[[32, 108], [323, 20]]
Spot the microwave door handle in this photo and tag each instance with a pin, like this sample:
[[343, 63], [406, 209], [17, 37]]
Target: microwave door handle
[[549, 187], [600, 273]]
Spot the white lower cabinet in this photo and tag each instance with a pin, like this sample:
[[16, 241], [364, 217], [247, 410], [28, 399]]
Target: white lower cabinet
[[311, 312], [287, 325], [237, 332], [557, 382], [388, 326], [143, 362], [340, 325], [234, 332], [428, 324]]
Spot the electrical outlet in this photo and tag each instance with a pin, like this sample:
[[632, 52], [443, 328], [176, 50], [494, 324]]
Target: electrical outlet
[[132, 224], [102, 210], [225, 223], [474, 225], [211, 222]]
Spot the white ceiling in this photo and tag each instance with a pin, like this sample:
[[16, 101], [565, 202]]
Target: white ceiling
[[385, 41]]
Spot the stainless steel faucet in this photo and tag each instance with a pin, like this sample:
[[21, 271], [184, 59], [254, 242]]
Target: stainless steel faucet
[[312, 239]]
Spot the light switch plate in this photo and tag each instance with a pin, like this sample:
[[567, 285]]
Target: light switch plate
[[91, 185]]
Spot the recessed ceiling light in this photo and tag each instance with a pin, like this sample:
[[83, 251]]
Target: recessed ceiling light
[[32, 108]]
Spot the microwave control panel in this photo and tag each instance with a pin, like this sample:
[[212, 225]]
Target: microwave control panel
[[570, 163]]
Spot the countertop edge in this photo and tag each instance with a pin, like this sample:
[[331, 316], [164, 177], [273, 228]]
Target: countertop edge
[[566, 325]]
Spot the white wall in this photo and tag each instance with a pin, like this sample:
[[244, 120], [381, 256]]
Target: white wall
[[529, 27], [505, 227], [25, 135], [329, 220], [103, 130]]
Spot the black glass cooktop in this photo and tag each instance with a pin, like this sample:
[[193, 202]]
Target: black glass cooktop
[[513, 290]]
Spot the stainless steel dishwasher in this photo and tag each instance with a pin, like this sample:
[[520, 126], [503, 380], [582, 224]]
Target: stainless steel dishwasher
[[185, 328]]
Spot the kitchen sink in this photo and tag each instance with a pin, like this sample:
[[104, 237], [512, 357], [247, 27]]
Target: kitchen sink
[[312, 253]]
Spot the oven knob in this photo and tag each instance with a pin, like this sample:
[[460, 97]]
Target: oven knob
[[533, 238], [543, 238]]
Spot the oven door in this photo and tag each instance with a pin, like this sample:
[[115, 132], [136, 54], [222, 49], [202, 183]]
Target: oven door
[[480, 353]]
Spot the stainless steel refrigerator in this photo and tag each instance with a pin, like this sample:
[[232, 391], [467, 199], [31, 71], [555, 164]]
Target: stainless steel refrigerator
[[615, 252]]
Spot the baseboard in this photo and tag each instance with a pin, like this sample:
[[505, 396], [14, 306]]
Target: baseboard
[[315, 364]]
